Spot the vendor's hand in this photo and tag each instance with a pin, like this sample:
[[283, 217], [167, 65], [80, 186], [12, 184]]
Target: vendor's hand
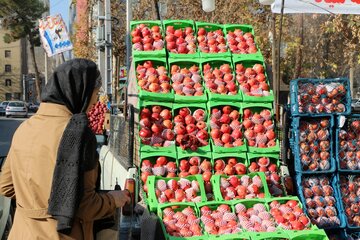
[[121, 198]]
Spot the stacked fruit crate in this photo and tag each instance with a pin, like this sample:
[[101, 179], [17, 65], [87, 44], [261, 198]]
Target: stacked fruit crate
[[209, 154], [324, 148]]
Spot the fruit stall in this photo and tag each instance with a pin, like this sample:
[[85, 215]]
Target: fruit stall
[[207, 143]]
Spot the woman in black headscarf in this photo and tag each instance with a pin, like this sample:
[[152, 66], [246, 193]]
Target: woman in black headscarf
[[52, 166]]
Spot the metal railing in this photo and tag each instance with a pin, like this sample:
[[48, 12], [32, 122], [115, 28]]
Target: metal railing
[[121, 138]]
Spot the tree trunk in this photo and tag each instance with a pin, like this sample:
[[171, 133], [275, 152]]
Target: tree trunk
[[37, 75], [352, 73], [299, 55]]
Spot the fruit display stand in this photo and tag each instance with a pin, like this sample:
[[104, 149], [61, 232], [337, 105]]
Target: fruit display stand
[[150, 148], [210, 27], [258, 108], [245, 28], [250, 62], [181, 24], [313, 198], [216, 63], [188, 63], [155, 53], [152, 185], [310, 97], [346, 145], [310, 154], [218, 148], [199, 114], [216, 183], [152, 157], [177, 207], [349, 199], [148, 95]]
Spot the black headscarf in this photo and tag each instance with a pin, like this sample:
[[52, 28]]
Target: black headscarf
[[72, 84]]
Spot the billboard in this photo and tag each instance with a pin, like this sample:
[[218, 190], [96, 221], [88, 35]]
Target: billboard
[[318, 6], [54, 35]]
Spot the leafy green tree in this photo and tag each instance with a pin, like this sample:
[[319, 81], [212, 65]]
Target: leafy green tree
[[20, 18]]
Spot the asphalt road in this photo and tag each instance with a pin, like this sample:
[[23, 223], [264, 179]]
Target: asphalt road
[[7, 129]]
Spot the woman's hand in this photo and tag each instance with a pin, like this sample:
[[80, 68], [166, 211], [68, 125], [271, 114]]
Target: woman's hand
[[121, 198]]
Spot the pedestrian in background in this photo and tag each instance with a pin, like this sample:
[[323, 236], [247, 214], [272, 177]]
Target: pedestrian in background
[[52, 168]]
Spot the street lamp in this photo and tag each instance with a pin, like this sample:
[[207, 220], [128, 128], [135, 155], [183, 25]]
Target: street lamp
[[208, 5]]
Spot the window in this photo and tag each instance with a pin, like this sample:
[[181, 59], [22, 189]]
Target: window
[[7, 53], [7, 68], [16, 104], [8, 96], [7, 82]]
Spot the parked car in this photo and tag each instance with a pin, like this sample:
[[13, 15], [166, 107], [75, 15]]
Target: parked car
[[16, 108], [3, 106], [355, 105], [33, 107]]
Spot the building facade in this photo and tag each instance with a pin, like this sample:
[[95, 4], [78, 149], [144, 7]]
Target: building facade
[[13, 66]]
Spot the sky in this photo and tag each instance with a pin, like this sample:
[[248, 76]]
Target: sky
[[62, 7]]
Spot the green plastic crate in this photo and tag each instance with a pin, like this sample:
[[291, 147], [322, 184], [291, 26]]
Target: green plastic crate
[[240, 157], [152, 156], [218, 149], [250, 62], [318, 234], [215, 180], [217, 62], [192, 107], [151, 183], [172, 157], [278, 235], [212, 27], [187, 63], [283, 200], [179, 207], [249, 203], [148, 148], [181, 24], [274, 157], [213, 205], [245, 28], [257, 108], [146, 95], [187, 155], [237, 236], [155, 53]]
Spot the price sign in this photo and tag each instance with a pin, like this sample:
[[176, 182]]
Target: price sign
[[54, 36]]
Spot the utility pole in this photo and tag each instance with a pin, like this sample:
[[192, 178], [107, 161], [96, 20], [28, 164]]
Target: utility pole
[[108, 47], [46, 68], [128, 30], [104, 44], [24, 87]]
